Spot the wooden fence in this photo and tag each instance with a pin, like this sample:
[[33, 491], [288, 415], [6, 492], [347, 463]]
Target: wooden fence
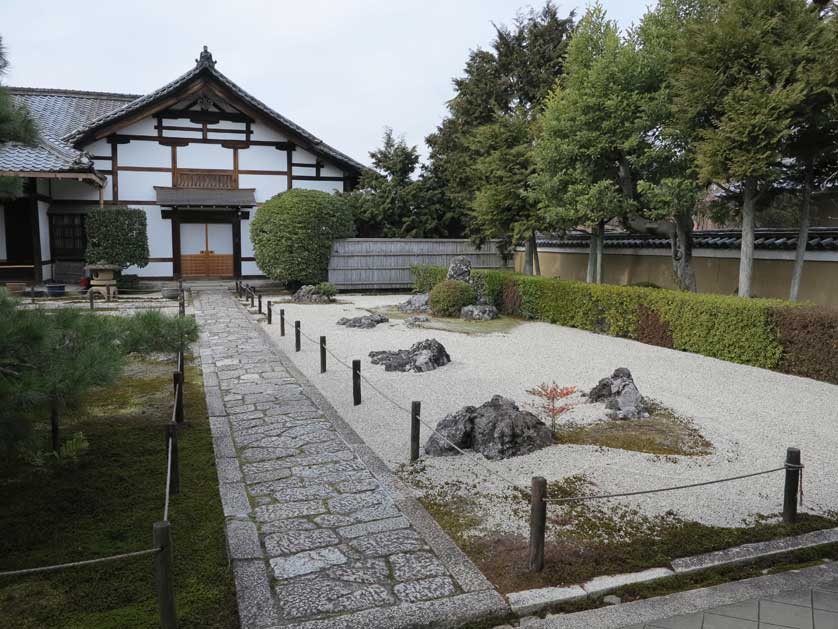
[[384, 263]]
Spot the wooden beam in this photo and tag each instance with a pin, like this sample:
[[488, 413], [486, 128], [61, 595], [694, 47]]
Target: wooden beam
[[175, 243], [115, 168], [290, 168], [36, 230]]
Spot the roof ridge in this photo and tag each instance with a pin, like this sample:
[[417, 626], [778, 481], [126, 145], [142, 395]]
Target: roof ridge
[[67, 92]]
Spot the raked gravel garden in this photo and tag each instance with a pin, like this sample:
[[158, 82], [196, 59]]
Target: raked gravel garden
[[736, 419]]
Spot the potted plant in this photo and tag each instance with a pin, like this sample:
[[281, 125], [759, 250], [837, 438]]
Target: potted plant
[[117, 237]]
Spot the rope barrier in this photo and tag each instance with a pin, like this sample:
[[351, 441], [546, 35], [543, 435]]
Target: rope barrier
[[73, 564]]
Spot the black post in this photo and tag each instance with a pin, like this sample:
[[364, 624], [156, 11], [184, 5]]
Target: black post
[[415, 412], [793, 469], [177, 379], [260, 304], [322, 354], [32, 293], [237, 287], [163, 575], [90, 296], [174, 477], [296, 336], [538, 522], [252, 297], [270, 313], [356, 382], [282, 322]]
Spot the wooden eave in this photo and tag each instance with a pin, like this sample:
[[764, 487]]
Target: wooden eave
[[87, 177]]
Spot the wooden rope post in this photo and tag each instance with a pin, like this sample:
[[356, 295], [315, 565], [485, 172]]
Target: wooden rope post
[[270, 313], [296, 336], [252, 297], [282, 321], [415, 413], [322, 354], [792, 485], [90, 296], [236, 287], [177, 380], [174, 477], [32, 293], [538, 523], [260, 304], [163, 573], [356, 382]]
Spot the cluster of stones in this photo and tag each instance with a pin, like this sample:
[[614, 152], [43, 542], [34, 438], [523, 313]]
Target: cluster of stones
[[460, 269], [621, 396], [425, 355], [309, 294], [416, 303], [497, 429], [366, 322], [298, 499]]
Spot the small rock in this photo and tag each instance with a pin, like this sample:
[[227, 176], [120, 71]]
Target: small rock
[[459, 269], [611, 599], [367, 321], [310, 294], [479, 312], [413, 321], [621, 396], [416, 303], [425, 355], [497, 429]]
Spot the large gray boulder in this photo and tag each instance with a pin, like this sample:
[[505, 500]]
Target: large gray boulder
[[459, 269], [621, 396], [479, 312], [425, 355], [309, 294], [415, 320], [497, 429], [367, 321], [416, 303]]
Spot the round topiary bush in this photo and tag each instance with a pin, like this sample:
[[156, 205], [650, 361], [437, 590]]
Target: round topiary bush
[[292, 235], [448, 298], [116, 235]]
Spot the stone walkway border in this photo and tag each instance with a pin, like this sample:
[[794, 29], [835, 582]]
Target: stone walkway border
[[259, 606]]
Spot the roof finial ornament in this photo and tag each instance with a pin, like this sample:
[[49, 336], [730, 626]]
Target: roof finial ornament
[[205, 58]]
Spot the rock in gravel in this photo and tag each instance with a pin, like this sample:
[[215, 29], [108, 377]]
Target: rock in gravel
[[310, 294], [612, 600], [413, 321], [479, 312], [497, 429], [416, 303], [621, 396], [459, 269], [367, 321], [425, 355]]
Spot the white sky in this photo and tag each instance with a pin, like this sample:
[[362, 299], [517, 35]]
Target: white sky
[[343, 69]]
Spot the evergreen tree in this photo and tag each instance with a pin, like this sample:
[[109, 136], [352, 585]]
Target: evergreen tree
[[16, 125]]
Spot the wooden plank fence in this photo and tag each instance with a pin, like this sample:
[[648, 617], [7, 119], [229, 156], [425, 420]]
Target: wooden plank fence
[[384, 263]]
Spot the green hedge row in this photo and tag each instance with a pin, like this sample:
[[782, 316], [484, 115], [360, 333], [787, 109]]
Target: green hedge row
[[767, 333]]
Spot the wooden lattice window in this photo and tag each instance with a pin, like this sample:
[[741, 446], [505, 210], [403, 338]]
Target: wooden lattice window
[[68, 236]]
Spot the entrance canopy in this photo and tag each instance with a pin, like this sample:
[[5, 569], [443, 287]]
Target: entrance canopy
[[205, 197]]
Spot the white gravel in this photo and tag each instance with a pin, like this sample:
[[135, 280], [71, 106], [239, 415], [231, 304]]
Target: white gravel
[[750, 415]]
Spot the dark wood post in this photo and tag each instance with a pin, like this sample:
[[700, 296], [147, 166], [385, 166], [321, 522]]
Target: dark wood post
[[282, 321], [356, 382], [174, 476], [236, 287], [177, 379], [32, 293], [270, 313], [90, 296], [163, 575], [260, 304], [252, 297], [415, 412], [296, 336], [538, 523], [180, 361], [793, 469], [322, 354]]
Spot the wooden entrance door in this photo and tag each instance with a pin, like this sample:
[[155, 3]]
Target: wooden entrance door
[[206, 249]]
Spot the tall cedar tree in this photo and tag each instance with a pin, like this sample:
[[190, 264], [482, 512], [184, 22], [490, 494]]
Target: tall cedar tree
[[16, 125], [742, 78], [502, 86]]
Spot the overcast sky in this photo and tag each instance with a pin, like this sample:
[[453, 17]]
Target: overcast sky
[[343, 69]]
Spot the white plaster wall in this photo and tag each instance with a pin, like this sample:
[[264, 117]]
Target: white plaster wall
[[43, 228], [247, 246], [331, 171], [185, 134], [250, 268], [72, 189], [205, 156], [142, 153], [152, 269], [266, 186], [228, 124], [99, 147], [3, 251], [303, 156], [159, 244], [139, 186], [141, 127], [324, 186], [262, 158], [262, 132]]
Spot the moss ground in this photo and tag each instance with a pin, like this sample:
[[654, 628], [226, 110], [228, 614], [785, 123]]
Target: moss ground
[[106, 504], [447, 324]]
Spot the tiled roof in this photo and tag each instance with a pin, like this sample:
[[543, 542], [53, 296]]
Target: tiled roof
[[820, 239], [49, 155], [207, 65]]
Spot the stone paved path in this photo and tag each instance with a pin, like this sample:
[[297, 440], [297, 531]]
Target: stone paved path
[[320, 533]]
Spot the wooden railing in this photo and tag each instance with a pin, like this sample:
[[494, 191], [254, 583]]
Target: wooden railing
[[203, 179]]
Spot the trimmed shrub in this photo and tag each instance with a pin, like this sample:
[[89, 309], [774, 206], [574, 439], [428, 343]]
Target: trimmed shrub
[[448, 297], [652, 329], [326, 289], [425, 277], [292, 235], [116, 235], [809, 338]]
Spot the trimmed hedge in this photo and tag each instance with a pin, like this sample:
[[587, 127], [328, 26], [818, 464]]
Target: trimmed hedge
[[768, 333], [116, 235], [450, 296], [292, 235]]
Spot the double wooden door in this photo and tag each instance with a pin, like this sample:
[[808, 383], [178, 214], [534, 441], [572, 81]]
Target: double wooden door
[[206, 249]]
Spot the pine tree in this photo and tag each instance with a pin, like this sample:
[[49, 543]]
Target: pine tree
[[16, 125]]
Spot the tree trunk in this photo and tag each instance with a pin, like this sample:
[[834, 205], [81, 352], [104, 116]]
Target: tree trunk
[[802, 238], [746, 254], [682, 252], [53, 421], [528, 257], [599, 244], [590, 276], [536, 263]]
